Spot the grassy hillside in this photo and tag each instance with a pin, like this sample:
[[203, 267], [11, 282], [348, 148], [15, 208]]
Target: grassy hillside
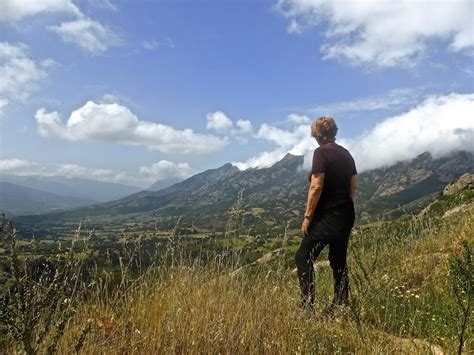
[[402, 278]]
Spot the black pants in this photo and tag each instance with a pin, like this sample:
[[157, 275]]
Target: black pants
[[329, 227]]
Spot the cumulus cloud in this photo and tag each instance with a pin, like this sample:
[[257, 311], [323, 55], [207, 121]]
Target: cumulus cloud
[[221, 123], [244, 126], [116, 123], [87, 34], [298, 119], [165, 169], [19, 73], [15, 10], [439, 124], [383, 33], [19, 167]]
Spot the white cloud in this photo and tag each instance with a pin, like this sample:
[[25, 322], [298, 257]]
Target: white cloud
[[244, 126], [87, 34], [262, 160], [298, 119], [103, 4], [24, 167], [19, 73], [74, 170], [116, 123], [298, 141], [15, 10], [3, 104], [439, 124], [394, 99], [282, 137], [18, 167], [221, 123], [165, 169], [469, 71], [154, 44], [384, 33]]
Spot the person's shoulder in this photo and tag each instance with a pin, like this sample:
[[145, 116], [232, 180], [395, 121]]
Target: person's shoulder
[[318, 150], [318, 154], [344, 149]]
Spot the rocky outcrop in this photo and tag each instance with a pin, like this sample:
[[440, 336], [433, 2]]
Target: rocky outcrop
[[465, 182]]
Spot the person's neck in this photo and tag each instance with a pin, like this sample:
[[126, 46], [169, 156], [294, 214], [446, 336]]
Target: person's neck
[[327, 142]]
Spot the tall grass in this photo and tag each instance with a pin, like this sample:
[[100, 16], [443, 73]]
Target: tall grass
[[401, 301]]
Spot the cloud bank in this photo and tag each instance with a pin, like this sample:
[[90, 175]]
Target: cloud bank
[[146, 175], [383, 33], [165, 169], [112, 122], [19, 167], [439, 124]]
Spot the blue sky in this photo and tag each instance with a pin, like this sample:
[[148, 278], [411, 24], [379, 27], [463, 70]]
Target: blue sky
[[247, 77]]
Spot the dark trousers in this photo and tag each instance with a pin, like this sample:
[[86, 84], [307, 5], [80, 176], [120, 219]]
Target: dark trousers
[[329, 227]]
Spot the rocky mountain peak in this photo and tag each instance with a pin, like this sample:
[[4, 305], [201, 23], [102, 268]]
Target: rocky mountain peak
[[289, 161]]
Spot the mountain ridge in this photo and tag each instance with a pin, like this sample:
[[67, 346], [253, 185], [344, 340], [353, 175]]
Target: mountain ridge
[[17, 199], [90, 189], [280, 190]]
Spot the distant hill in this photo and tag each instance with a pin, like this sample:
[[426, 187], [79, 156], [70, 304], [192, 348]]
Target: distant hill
[[278, 194], [16, 199], [96, 191]]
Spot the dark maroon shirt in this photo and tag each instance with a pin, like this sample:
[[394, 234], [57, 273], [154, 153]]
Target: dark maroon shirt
[[337, 165]]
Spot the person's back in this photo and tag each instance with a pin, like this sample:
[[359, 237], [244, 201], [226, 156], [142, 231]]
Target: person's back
[[329, 215], [338, 166]]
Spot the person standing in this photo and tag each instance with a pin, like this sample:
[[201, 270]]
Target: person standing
[[329, 215]]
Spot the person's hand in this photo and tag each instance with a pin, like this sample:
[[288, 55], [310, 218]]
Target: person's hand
[[304, 227]]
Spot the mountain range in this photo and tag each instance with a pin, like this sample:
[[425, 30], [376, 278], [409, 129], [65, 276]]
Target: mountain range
[[16, 199], [278, 194], [36, 193]]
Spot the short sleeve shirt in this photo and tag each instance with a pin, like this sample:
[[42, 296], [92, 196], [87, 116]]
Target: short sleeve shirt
[[338, 167]]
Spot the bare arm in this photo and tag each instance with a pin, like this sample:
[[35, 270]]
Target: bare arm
[[314, 193], [353, 186]]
